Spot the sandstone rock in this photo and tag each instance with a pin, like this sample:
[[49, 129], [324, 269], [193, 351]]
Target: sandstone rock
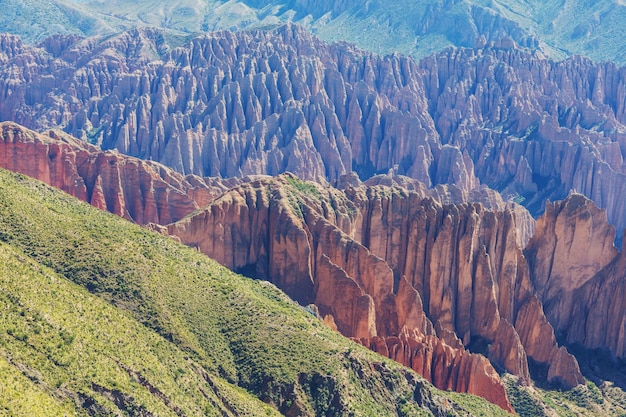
[[535, 332], [508, 350], [602, 303], [383, 261], [266, 102], [573, 243], [306, 239], [564, 369], [445, 367]]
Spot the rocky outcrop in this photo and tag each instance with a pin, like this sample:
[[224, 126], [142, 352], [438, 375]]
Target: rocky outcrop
[[267, 102], [579, 275], [599, 316], [538, 336], [137, 190], [387, 266], [301, 237], [259, 102], [465, 263], [573, 243]]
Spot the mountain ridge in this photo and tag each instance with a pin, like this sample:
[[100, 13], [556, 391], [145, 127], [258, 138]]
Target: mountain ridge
[[346, 214], [558, 28]]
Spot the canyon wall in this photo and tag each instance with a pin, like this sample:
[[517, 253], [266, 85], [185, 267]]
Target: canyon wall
[[580, 276], [404, 275]]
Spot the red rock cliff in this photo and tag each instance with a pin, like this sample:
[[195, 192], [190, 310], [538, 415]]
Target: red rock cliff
[[579, 275], [138, 190], [386, 263]]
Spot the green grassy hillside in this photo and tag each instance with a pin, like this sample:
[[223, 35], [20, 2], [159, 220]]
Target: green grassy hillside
[[101, 317], [62, 349]]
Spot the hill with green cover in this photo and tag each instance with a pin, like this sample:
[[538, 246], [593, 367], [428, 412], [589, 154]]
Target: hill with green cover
[[559, 28], [101, 317]]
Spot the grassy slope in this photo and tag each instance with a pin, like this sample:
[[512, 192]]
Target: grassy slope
[[60, 345], [586, 400], [58, 340]]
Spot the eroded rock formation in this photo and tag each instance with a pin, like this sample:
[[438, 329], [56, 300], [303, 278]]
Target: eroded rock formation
[[269, 102], [579, 275], [399, 272], [447, 367], [301, 237], [230, 104], [384, 261]]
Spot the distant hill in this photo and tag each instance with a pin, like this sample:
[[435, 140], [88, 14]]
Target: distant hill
[[559, 28]]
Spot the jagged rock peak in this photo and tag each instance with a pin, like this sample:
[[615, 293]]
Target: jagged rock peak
[[265, 102]]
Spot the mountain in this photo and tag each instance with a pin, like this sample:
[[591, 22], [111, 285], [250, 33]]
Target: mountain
[[397, 323], [67, 352], [103, 317], [109, 180], [232, 104], [410, 241], [424, 283], [559, 28], [578, 276], [383, 262], [60, 160]]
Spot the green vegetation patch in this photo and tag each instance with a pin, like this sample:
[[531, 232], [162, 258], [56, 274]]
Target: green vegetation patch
[[302, 186], [244, 331], [63, 349], [583, 400]]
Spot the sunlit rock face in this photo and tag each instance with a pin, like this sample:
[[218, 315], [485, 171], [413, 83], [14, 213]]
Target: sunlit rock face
[[579, 275], [413, 279]]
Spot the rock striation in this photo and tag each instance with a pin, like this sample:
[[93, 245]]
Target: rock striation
[[301, 237], [141, 191], [446, 367], [265, 102], [465, 263]]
